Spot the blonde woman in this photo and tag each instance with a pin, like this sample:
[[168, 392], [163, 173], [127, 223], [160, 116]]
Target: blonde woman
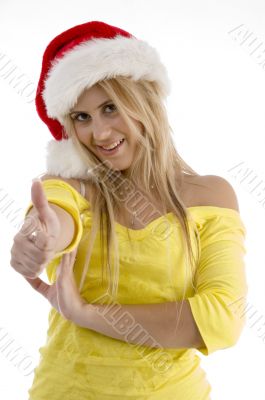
[[144, 256]]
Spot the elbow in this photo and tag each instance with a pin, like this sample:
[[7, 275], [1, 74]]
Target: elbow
[[232, 326], [219, 322], [234, 331], [236, 317], [226, 336]]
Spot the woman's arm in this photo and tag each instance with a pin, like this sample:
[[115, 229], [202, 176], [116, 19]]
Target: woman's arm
[[153, 325]]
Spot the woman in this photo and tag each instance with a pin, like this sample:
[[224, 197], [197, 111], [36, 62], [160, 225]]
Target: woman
[[145, 257]]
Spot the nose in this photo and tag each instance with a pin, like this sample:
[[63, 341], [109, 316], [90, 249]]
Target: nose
[[101, 129]]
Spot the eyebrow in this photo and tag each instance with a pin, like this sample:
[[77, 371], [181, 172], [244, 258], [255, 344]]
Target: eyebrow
[[105, 102]]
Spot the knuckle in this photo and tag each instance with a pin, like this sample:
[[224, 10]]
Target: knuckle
[[43, 258], [30, 222], [45, 247], [15, 266], [13, 261], [15, 249], [26, 229], [47, 244], [16, 238]]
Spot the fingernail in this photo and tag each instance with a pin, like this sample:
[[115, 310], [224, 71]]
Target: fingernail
[[36, 180]]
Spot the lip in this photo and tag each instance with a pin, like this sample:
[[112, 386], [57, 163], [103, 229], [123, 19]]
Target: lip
[[107, 144], [112, 152]]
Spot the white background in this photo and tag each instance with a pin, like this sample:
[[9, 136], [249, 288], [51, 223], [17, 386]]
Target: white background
[[216, 110]]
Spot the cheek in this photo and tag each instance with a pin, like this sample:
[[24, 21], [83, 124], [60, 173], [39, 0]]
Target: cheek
[[81, 133]]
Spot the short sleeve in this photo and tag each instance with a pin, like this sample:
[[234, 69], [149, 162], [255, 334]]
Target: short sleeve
[[220, 279], [65, 196]]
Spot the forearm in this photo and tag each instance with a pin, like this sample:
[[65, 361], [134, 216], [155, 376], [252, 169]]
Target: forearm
[[153, 325]]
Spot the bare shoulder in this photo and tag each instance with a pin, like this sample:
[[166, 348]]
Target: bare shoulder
[[71, 181], [213, 190]]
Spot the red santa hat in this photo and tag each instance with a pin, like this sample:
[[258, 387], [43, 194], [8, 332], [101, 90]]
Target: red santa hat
[[74, 61]]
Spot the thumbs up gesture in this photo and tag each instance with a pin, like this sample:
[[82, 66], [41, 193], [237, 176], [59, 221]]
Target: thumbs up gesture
[[35, 244]]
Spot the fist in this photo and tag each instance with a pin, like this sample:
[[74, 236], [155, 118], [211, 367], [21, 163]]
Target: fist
[[34, 246]]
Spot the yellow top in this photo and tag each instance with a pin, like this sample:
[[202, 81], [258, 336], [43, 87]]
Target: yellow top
[[80, 364]]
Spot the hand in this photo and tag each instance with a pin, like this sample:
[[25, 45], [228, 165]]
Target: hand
[[63, 295], [29, 257]]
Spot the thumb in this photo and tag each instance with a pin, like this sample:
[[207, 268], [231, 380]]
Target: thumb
[[44, 212], [39, 285]]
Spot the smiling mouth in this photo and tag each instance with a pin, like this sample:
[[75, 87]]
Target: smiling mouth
[[111, 151]]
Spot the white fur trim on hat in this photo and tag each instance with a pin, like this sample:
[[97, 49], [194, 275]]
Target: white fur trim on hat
[[95, 60], [63, 160]]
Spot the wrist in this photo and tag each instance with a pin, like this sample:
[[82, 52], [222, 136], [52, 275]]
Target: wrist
[[84, 316]]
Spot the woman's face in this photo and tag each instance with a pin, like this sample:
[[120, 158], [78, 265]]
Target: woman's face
[[98, 123]]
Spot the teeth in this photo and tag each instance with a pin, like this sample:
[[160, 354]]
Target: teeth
[[112, 145]]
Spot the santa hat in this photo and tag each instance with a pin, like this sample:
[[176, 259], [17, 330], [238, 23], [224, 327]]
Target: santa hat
[[74, 61]]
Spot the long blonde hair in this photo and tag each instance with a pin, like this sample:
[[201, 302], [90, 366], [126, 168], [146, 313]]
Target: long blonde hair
[[156, 162]]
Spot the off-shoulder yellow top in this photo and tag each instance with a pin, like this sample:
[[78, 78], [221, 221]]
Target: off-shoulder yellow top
[[81, 364]]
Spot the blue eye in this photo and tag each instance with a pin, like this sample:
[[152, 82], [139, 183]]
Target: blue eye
[[112, 106], [75, 117]]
